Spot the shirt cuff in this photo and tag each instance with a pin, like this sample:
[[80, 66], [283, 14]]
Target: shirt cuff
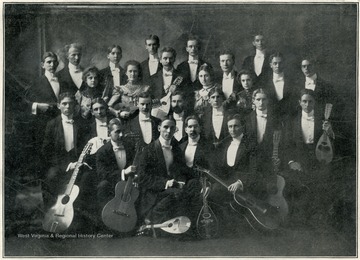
[[123, 175], [290, 162], [34, 108]]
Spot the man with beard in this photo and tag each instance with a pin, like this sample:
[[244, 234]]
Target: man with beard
[[179, 113]]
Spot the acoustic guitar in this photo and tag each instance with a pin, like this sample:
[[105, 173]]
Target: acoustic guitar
[[176, 225], [60, 216], [261, 215], [324, 149], [207, 225], [162, 109]]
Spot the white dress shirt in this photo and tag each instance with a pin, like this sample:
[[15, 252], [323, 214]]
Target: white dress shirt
[[217, 120], [193, 65], [167, 77], [146, 127], [310, 82], [54, 83], [261, 120], [76, 75], [153, 64], [68, 128], [115, 72], [190, 151], [278, 80], [308, 127], [179, 125], [120, 155], [259, 61], [228, 84], [167, 152], [101, 128], [232, 150]]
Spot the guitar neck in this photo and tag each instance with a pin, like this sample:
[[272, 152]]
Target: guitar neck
[[215, 178]]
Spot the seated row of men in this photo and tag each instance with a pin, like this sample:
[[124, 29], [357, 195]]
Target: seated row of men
[[163, 157]]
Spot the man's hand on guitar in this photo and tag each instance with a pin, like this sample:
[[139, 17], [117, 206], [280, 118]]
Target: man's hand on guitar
[[172, 89], [295, 166], [235, 186], [124, 114], [130, 169], [43, 107]]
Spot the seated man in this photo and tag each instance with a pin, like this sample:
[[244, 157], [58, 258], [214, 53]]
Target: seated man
[[179, 112], [162, 175]]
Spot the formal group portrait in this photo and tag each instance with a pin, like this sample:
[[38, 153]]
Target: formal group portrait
[[220, 129]]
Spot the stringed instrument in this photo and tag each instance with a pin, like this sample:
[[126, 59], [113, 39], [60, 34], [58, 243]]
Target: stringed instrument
[[162, 109], [60, 216], [119, 213], [176, 225], [278, 199], [207, 225], [324, 149], [261, 215]]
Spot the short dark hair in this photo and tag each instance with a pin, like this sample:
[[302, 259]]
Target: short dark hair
[[66, 95], [114, 122], [109, 49], [260, 91], [168, 49], [89, 70], [191, 117], [167, 118], [144, 94], [178, 93], [133, 63], [49, 54], [153, 37], [218, 90], [98, 101], [306, 91], [192, 37], [276, 54], [227, 52], [238, 117], [244, 72], [73, 45], [311, 59]]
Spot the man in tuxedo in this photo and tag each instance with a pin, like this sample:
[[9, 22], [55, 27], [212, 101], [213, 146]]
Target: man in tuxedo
[[72, 72], [228, 79], [281, 88], [162, 81], [113, 75], [142, 124], [151, 65], [162, 175], [114, 162], [63, 141], [190, 67], [258, 64], [179, 113]]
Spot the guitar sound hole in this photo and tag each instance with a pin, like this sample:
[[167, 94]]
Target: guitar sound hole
[[118, 212], [206, 215], [65, 199], [324, 148]]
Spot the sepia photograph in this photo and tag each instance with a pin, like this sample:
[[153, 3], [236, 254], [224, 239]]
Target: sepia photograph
[[180, 129]]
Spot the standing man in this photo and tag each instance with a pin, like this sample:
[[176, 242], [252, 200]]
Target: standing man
[[258, 64], [228, 79], [190, 68], [72, 73], [179, 113], [151, 65]]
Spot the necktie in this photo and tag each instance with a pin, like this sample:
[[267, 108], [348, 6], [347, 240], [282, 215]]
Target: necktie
[[168, 74], [118, 148], [145, 119], [77, 71], [218, 114], [279, 79], [262, 115], [167, 147], [69, 121], [310, 118], [103, 124], [228, 76], [192, 144], [193, 62], [55, 79]]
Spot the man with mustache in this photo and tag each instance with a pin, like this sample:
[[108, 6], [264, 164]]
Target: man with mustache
[[179, 112]]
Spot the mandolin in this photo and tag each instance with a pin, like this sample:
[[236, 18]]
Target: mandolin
[[261, 215], [176, 225], [162, 109], [207, 225], [60, 216], [324, 149]]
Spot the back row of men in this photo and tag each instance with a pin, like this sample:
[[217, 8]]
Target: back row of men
[[235, 114]]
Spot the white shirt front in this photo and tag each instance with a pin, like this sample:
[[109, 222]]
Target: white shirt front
[[101, 128], [68, 128], [308, 127], [76, 75], [153, 64], [167, 77], [115, 72], [190, 151], [193, 65], [217, 120], [278, 80], [146, 127], [179, 125], [259, 61], [310, 82], [167, 152], [228, 84], [232, 150], [261, 120], [120, 155]]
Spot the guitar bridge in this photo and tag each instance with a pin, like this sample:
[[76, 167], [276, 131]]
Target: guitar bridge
[[121, 213], [58, 215]]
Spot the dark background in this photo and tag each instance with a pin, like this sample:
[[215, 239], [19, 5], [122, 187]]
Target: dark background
[[327, 31]]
